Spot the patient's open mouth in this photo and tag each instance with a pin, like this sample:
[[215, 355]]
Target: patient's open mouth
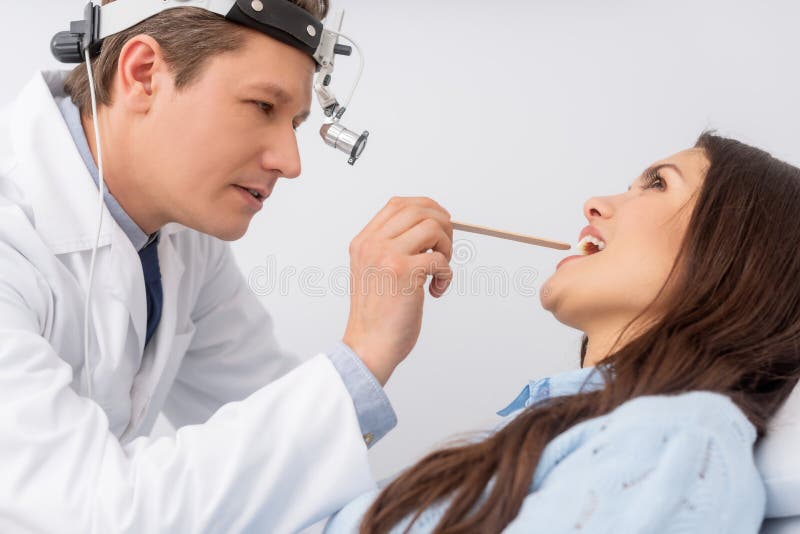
[[590, 245], [587, 246]]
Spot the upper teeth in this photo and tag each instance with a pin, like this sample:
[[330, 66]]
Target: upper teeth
[[254, 193], [599, 243]]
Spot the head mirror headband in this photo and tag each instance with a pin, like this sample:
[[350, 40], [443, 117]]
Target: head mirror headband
[[279, 19]]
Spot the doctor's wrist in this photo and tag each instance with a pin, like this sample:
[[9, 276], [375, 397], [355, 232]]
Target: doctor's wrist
[[380, 367]]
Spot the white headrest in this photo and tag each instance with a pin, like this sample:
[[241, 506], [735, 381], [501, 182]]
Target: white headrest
[[778, 460]]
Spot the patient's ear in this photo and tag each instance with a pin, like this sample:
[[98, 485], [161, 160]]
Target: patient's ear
[[141, 73]]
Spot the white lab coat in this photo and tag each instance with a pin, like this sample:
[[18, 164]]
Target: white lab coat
[[255, 452]]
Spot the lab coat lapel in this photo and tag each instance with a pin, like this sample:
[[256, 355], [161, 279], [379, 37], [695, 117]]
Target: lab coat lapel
[[125, 281], [116, 333], [163, 354], [171, 273]]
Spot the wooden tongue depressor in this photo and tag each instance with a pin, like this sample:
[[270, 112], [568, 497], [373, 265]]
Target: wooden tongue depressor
[[509, 235]]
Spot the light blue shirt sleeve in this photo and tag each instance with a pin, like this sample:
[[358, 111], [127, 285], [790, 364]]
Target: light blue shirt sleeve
[[376, 417]]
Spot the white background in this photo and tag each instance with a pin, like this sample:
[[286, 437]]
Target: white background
[[510, 114]]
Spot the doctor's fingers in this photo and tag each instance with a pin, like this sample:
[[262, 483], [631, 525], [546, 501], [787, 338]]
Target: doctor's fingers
[[427, 234], [395, 205], [432, 264], [410, 216]]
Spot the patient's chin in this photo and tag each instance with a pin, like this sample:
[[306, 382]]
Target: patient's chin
[[548, 298], [554, 302]]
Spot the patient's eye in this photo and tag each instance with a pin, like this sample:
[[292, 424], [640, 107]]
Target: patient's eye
[[653, 179]]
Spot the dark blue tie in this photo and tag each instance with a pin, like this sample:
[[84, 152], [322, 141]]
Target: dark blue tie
[[152, 285]]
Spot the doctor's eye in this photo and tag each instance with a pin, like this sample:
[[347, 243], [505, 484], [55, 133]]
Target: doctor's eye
[[265, 107]]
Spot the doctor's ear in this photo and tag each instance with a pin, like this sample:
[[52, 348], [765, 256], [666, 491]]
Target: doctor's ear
[[141, 73]]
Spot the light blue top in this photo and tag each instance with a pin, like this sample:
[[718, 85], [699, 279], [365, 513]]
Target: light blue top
[[375, 414], [656, 464]]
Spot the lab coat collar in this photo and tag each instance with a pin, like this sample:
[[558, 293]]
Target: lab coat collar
[[56, 182]]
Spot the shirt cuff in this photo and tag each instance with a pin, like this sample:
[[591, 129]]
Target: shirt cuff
[[375, 413]]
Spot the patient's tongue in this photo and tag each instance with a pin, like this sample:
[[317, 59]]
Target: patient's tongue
[[590, 248]]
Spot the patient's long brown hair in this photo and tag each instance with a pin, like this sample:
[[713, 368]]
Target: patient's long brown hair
[[732, 326]]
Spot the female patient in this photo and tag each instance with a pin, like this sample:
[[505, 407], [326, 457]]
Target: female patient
[[691, 313]]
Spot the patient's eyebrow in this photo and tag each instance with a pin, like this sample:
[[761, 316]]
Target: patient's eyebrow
[[655, 168]]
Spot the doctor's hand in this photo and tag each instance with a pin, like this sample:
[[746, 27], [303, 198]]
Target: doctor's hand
[[390, 261]]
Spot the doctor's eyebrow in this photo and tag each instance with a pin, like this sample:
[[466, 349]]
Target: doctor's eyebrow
[[276, 91], [655, 168]]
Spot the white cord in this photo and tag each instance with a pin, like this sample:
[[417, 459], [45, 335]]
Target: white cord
[[86, 367], [360, 69]]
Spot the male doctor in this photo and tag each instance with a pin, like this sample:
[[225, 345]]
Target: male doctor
[[197, 119]]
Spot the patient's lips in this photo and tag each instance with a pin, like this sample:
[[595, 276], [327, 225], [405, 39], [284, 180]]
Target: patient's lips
[[591, 231]]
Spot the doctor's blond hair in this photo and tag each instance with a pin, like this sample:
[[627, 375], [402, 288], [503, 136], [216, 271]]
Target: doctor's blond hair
[[731, 325], [188, 37]]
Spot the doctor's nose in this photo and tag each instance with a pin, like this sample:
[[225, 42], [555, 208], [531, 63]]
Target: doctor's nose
[[282, 156]]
